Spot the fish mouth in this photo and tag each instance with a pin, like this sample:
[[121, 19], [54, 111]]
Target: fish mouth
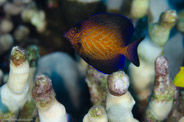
[[66, 35]]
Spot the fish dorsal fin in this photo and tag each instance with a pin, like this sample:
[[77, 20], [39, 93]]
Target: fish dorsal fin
[[120, 25], [130, 52]]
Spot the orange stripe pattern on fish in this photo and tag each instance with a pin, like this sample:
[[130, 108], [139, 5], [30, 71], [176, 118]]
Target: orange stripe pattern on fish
[[102, 41]]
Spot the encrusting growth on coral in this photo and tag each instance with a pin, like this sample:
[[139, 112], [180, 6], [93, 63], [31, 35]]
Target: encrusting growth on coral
[[42, 92], [96, 114], [163, 93], [175, 114], [120, 103], [118, 83], [97, 83], [18, 56], [49, 109]]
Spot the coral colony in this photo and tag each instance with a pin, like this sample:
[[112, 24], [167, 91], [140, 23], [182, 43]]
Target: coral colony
[[43, 77]]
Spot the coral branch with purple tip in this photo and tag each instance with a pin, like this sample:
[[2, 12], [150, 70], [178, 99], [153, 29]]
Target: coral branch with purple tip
[[163, 93], [49, 109]]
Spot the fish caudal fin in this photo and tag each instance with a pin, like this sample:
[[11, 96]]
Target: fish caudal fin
[[130, 52]]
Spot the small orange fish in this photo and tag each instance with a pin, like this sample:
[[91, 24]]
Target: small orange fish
[[102, 41]]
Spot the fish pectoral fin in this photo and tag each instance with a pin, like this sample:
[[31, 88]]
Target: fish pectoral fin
[[130, 52]]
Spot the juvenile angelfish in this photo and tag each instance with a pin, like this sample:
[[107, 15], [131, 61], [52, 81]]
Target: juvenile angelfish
[[102, 39]]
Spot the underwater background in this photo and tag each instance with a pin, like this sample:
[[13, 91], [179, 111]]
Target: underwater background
[[153, 91]]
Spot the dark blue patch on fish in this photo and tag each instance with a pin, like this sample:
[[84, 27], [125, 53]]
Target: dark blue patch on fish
[[107, 66]]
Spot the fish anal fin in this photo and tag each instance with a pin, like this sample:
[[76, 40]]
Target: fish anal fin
[[130, 52]]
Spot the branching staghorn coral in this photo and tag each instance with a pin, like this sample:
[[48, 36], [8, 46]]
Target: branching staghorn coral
[[96, 114], [159, 32], [6, 26], [12, 9], [39, 20], [139, 8], [28, 12], [29, 109], [49, 109], [13, 94], [119, 101], [34, 16], [134, 9], [149, 49], [156, 8], [97, 82], [163, 93], [63, 71]]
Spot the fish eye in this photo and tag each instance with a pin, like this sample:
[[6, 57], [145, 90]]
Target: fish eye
[[77, 28]]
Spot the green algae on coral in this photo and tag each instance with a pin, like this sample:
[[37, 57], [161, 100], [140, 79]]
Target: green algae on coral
[[18, 56], [7, 117], [32, 53], [97, 111], [28, 110]]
